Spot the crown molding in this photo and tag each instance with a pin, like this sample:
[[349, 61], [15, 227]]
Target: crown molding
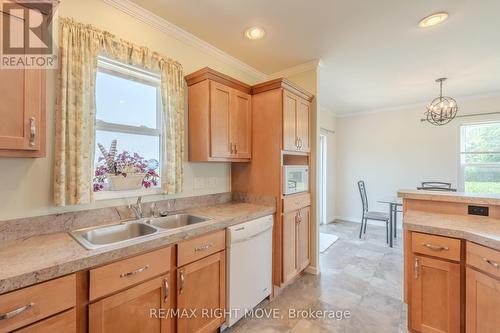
[[176, 32], [307, 66]]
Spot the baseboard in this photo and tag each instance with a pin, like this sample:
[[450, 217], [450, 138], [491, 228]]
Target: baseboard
[[312, 270]]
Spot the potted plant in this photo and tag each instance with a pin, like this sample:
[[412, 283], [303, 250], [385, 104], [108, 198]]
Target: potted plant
[[124, 171]]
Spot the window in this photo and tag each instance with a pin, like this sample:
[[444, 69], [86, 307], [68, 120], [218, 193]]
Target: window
[[128, 110], [480, 157]]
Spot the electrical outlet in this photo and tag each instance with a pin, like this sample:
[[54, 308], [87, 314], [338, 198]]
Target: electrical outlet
[[479, 210], [212, 182], [199, 183]]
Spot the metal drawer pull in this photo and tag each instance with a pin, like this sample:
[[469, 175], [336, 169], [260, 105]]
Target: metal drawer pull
[[416, 268], [15, 312], [492, 263], [137, 271], [203, 247], [167, 291], [181, 287], [32, 131], [435, 247]]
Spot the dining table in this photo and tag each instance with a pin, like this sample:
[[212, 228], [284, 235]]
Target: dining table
[[394, 203]]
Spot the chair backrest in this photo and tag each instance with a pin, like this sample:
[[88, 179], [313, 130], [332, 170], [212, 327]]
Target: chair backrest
[[362, 193], [436, 186]]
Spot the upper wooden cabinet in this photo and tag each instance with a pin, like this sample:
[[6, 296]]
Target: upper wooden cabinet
[[296, 123], [296, 113], [220, 118], [22, 111]]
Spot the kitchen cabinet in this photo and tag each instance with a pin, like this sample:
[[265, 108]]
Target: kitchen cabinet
[[201, 289], [435, 295], [220, 118], [61, 323], [482, 302], [296, 235], [296, 123], [22, 111], [136, 309]]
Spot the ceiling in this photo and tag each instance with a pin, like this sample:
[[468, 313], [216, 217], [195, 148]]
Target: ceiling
[[373, 55]]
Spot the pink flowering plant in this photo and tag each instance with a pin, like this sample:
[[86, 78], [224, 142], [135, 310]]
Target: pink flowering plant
[[123, 164]]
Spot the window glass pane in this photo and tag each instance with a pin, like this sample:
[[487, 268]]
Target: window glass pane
[[146, 147], [124, 101], [482, 179], [481, 158], [482, 138]]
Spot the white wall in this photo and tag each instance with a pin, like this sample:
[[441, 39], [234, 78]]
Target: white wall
[[26, 184], [393, 150]]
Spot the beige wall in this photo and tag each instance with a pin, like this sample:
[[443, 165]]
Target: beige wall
[[393, 150], [26, 184]]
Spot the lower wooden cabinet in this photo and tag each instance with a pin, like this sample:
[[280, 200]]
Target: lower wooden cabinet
[[435, 295], [136, 309], [201, 294], [296, 233], [482, 303], [61, 323]]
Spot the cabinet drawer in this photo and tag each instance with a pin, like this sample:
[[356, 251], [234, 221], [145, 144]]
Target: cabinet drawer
[[483, 258], [200, 247], [122, 274], [62, 323], [296, 201], [436, 246], [31, 304]]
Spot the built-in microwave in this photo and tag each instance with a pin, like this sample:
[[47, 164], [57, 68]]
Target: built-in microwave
[[295, 179]]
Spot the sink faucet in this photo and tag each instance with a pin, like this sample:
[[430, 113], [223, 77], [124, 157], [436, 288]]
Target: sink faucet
[[137, 208]]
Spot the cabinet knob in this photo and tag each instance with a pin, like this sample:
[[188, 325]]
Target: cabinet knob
[[165, 285], [181, 277]]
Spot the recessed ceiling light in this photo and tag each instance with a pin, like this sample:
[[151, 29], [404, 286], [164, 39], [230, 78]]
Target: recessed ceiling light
[[433, 19], [255, 33]]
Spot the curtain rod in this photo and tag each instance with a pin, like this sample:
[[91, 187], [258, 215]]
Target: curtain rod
[[327, 130], [469, 115]]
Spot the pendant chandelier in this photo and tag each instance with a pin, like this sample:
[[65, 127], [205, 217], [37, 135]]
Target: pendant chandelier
[[442, 109]]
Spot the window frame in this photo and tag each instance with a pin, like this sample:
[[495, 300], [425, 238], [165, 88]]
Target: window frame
[[461, 152], [132, 73]]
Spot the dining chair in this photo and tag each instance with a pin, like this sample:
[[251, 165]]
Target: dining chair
[[370, 215], [436, 186]]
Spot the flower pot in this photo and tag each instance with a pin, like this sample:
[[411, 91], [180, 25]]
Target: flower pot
[[133, 181]]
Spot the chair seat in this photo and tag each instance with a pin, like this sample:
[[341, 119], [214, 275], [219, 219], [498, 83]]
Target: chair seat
[[379, 216]]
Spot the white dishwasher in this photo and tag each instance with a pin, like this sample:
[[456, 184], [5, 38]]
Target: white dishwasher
[[249, 266]]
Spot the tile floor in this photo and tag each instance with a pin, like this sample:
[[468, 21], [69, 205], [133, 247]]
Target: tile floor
[[363, 277]]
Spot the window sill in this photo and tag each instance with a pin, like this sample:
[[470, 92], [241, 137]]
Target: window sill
[[108, 195]]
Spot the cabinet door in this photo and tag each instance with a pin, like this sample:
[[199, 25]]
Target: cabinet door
[[220, 101], [143, 308], [290, 269], [482, 303], [303, 125], [22, 111], [303, 233], [241, 124], [435, 296], [290, 105], [201, 290], [61, 323]]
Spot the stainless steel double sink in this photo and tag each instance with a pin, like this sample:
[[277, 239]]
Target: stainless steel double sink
[[111, 234]]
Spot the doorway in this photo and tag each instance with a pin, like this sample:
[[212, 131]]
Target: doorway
[[322, 178]]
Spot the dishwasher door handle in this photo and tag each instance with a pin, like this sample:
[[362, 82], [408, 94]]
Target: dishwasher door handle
[[253, 236]]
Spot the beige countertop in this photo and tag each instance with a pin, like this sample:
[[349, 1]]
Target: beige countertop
[[462, 197], [478, 229], [35, 259]]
